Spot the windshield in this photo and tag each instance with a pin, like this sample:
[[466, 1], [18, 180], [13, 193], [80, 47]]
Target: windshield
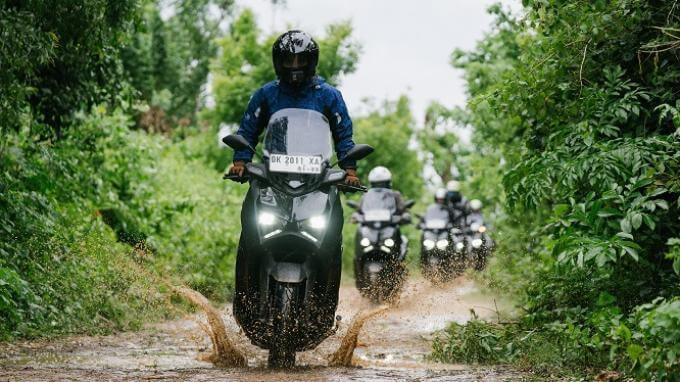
[[298, 132], [297, 146], [436, 217], [378, 204]]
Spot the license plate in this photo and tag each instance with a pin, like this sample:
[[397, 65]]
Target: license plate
[[298, 164]]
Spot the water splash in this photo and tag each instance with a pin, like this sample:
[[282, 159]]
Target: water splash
[[343, 356], [224, 354]]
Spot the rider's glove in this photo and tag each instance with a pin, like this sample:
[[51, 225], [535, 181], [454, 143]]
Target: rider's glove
[[238, 168], [352, 179]]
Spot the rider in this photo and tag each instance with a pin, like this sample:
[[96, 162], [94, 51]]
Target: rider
[[456, 203], [440, 196], [475, 216], [380, 179], [295, 56], [475, 220]]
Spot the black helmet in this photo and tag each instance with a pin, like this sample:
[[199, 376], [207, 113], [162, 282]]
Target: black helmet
[[295, 55]]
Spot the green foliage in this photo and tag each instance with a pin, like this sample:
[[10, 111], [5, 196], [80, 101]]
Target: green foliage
[[438, 141], [62, 269], [194, 220], [69, 56], [168, 61], [96, 225], [244, 63], [389, 130], [579, 101]]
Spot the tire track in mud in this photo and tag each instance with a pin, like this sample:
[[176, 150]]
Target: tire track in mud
[[392, 345]]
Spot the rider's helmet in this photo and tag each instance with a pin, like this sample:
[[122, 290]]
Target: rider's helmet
[[295, 55], [380, 177], [475, 205], [452, 185], [453, 195], [440, 195]]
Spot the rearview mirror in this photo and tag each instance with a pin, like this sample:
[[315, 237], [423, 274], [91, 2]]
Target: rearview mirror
[[237, 142], [359, 151]]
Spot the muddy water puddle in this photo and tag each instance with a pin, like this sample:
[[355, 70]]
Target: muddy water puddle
[[392, 345]]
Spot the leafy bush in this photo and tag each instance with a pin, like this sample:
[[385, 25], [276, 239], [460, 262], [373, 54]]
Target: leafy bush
[[62, 269], [579, 100]]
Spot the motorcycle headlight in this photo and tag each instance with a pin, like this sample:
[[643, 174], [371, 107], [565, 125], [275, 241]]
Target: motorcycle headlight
[[428, 244], [460, 246], [476, 243], [266, 219], [389, 243], [482, 229], [317, 222], [442, 244], [365, 242]]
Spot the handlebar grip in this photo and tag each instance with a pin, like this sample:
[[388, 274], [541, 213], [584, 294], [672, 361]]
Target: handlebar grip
[[235, 178], [352, 189]]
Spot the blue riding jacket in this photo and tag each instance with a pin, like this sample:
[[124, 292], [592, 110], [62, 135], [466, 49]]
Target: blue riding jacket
[[316, 95]]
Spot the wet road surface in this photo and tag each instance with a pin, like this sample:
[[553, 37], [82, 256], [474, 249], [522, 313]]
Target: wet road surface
[[391, 347]]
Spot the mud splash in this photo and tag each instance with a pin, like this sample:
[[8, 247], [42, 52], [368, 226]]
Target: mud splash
[[343, 356], [224, 354]]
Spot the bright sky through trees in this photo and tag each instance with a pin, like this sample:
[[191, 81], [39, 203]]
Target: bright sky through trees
[[406, 44]]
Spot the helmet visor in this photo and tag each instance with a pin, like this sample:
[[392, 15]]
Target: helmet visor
[[295, 61]]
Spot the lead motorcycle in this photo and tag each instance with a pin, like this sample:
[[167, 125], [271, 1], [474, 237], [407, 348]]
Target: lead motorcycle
[[289, 257], [380, 248]]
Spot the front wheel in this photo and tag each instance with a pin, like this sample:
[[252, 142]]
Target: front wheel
[[281, 358], [285, 306]]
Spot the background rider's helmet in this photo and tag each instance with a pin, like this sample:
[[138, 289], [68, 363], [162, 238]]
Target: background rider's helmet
[[439, 195], [295, 55], [380, 177], [452, 185], [475, 205], [453, 192]]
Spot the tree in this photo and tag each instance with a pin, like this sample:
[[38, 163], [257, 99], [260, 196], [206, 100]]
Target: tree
[[580, 99], [168, 60], [71, 63], [390, 130]]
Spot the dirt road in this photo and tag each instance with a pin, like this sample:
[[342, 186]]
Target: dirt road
[[392, 346]]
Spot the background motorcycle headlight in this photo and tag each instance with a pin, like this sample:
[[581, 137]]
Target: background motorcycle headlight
[[442, 244], [460, 246], [317, 222], [428, 244], [389, 243], [266, 219], [482, 229], [476, 243], [365, 242]]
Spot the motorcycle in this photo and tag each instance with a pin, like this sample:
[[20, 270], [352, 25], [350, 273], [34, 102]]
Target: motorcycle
[[380, 248], [442, 250], [289, 257], [479, 245]]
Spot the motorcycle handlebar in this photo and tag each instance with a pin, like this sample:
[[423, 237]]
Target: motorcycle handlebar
[[342, 187], [236, 178], [347, 188]]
